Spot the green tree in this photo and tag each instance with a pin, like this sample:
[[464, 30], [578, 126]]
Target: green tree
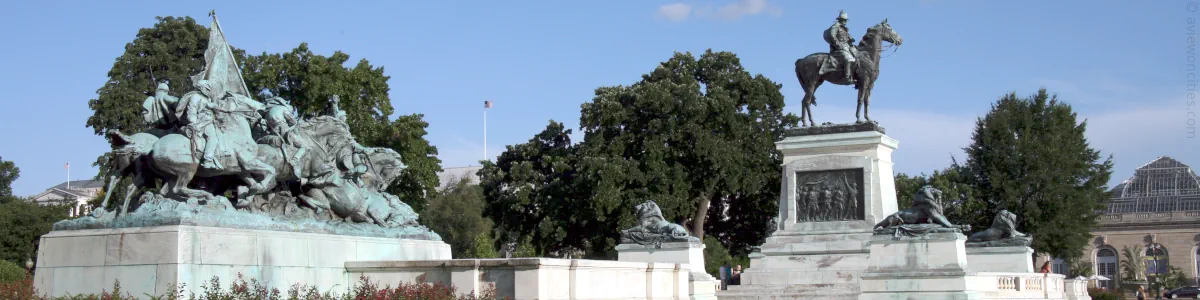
[[308, 80], [8, 174], [173, 49], [716, 256], [697, 136], [1030, 156], [1133, 264], [22, 224], [457, 215], [1174, 278], [532, 195]]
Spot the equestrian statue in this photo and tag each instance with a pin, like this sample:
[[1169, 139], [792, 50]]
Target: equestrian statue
[[844, 64]]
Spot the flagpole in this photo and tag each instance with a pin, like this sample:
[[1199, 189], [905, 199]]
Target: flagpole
[[68, 175], [485, 155]]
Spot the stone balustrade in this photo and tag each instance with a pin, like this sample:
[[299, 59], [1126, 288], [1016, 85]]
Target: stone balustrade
[[537, 278], [1023, 286], [1076, 289]]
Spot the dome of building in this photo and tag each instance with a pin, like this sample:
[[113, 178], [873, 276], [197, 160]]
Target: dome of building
[[1164, 184]]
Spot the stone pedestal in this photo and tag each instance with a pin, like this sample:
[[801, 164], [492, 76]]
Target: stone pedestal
[[148, 260], [932, 266], [1000, 259], [820, 249], [701, 285]]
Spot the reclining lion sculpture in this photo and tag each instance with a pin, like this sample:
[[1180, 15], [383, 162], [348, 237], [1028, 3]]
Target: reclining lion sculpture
[[1003, 232], [653, 229]]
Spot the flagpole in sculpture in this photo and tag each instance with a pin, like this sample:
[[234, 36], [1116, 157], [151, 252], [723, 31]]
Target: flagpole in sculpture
[[228, 180]]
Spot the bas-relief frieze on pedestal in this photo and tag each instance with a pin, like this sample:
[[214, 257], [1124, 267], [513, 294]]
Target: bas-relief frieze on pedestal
[[832, 195]]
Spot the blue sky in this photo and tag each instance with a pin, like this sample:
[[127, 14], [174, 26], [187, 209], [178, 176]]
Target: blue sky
[[1121, 64]]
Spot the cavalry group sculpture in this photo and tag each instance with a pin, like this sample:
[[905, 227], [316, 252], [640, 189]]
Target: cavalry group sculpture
[[844, 64], [217, 155]]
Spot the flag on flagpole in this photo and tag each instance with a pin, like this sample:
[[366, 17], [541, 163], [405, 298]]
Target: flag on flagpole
[[487, 104], [67, 166]]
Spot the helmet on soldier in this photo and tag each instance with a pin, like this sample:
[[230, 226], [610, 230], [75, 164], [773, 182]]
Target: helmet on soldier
[[203, 86], [162, 86], [843, 16]]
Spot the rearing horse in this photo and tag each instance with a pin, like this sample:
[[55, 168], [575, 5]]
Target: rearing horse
[[866, 71]]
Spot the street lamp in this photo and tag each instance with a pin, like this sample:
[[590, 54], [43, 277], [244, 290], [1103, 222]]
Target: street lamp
[[1155, 249]]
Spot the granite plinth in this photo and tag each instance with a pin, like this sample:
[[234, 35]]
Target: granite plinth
[[539, 278], [1000, 259], [701, 285], [929, 266], [148, 260], [807, 260]]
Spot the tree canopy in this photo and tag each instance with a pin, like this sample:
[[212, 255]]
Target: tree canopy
[[533, 195], [173, 49], [697, 136], [457, 215], [8, 173], [22, 223], [1030, 156]]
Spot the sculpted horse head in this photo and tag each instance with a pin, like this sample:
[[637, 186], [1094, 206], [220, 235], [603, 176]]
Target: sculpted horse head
[[384, 166]]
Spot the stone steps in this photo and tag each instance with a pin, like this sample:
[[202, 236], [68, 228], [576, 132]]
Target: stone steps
[[793, 291]]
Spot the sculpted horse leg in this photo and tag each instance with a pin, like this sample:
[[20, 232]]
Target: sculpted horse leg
[[862, 92], [252, 168], [867, 102]]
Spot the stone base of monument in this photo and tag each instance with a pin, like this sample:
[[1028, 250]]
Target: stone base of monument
[[822, 260], [701, 285], [931, 266], [149, 260], [935, 266], [820, 248], [1017, 259], [538, 278]]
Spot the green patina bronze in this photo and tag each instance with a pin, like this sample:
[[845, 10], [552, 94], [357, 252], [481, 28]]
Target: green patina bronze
[[224, 159]]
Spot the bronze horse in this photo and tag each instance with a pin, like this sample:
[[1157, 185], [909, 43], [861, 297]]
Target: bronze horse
[[866, 70]]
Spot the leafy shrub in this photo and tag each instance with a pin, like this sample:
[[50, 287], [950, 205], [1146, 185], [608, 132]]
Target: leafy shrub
[[10, 271], [1097, 294], [241, 289]]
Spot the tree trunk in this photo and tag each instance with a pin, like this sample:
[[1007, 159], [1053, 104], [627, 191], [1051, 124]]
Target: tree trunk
[[701, 213]]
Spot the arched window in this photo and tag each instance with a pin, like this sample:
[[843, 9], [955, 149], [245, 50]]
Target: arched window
[[1106, 265], [1059, 266], [1156, 259], [1198, 261]]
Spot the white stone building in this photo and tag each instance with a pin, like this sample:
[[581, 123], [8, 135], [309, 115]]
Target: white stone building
[[449, 176], [76, 193]]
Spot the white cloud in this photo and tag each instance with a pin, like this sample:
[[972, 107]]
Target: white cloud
[[678, 12], [744, 8], [675, 12]]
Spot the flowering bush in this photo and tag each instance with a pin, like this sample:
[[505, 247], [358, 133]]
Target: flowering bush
[[241, 289]]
